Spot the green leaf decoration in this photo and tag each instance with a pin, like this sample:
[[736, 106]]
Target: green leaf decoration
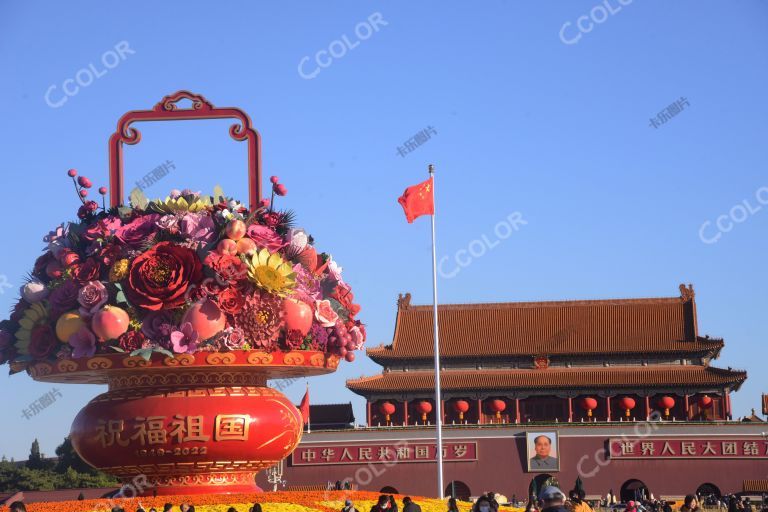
[[163, 351], [138, 199], [117, 349], [145, 353], [339, 309]]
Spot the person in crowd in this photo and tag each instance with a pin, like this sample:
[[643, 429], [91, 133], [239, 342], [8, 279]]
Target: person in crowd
[[17, 506], [167, 507], [231, 509], [348, 507], [256, 507], [392, 504], [631, 506], [577, 501], [748, 505], [531, 507], [153, 509], [452, 505], [410, 506], [690, 504], [552, 499], [493, 501], [382, 505], [483, 504]]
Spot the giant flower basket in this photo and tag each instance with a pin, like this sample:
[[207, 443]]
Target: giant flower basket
[[185, 307]]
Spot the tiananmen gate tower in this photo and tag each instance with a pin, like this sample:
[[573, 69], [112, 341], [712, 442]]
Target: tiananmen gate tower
[[619, 392]]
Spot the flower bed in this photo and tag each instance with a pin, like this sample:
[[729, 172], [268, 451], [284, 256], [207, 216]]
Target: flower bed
[[314, 501]]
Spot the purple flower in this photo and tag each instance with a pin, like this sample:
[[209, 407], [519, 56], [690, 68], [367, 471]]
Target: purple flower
[[158, 325], [175, 193], [91, 297], [63, 298], [184, 341], [319, 336], [83, 343], [135, 233], [307, 285], [198, 227]]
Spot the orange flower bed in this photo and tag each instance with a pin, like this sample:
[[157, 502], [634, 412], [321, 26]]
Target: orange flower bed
[[316, 500]]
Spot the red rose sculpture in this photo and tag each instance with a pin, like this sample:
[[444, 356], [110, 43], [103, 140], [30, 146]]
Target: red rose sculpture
[[160, 278]]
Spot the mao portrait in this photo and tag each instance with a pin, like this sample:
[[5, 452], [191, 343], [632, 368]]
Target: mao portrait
[[543, 452]]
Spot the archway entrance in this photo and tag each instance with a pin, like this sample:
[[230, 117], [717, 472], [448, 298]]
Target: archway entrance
[[539, 483], [388, 490], [457, 489], [634, 490], [709, 493]]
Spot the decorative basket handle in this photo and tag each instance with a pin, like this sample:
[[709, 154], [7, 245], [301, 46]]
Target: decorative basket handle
[[167, 110]]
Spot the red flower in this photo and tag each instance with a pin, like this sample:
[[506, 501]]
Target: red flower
[[230, 268], [40, 264], [131, 340], [231, 301], [343, 294], [88, 270], [159, 278], [42, 342]]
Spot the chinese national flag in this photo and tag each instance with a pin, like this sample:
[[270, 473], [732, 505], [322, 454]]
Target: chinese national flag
[[418, 200], [304, 407]]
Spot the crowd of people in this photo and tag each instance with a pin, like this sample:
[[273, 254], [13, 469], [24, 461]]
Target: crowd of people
[[18, 506]]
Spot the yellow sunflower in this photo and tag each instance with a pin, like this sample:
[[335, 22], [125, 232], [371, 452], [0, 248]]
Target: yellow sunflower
[[34, 316], [271, 273]]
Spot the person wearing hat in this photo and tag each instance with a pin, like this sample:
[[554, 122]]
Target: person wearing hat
[[348, 507], [552, 499]]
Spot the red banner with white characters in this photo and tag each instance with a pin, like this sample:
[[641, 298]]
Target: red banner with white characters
[[392, 453], [689, 448]]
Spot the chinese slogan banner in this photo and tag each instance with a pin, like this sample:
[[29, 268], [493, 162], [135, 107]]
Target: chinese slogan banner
[[730, 448], [401, 451]]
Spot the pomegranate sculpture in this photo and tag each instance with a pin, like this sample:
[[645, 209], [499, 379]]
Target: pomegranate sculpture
[[186, 307]]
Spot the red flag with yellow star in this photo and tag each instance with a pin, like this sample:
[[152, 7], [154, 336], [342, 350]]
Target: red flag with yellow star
[[418, 200]]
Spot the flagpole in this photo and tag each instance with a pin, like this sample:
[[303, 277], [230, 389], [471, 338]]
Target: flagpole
[[438, 400], [309, 420]]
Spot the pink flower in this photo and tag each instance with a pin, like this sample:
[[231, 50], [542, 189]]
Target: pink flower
[[169, 223], [91, 297], [136, 232], [265, 237], [325, 314], [357, 337], [198, 227], [102, 228], [83, 343], [185, 340], [234, 338]]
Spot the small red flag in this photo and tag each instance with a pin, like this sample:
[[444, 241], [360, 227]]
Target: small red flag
[[304, 407], [418, 200]]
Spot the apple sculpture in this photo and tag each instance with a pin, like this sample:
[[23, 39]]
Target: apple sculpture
[[185, 307]]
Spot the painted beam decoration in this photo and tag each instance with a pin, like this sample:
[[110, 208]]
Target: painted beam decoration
[[689, 448], [382, 453]]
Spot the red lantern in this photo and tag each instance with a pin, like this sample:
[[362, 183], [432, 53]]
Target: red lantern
[[588, 404], [627, 403], [461, 406], [666, 403], [424, 408], [705, 402], [387, 409], [497, 406]]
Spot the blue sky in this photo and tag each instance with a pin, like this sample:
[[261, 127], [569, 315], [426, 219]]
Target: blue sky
[[530, 114]]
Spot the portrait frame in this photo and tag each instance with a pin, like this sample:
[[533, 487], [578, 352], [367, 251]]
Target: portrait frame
[[534, 462]]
